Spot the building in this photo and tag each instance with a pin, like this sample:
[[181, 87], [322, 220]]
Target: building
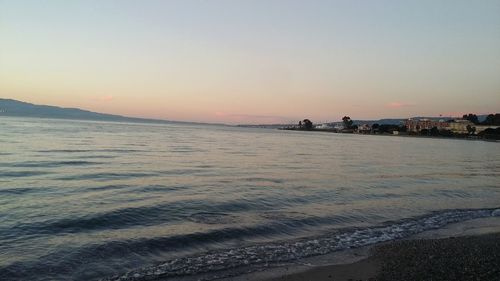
[[480, 128], [459, 126], [418, 125], [364, 129], [456, 126], [324, 126]]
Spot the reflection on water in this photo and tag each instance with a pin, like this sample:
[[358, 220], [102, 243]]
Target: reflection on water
[[83, 200]]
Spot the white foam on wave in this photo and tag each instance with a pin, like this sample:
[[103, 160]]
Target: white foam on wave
[[266, 254]]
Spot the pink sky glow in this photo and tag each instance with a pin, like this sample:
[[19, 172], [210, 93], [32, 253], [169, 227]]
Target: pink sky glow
[[254, 61]]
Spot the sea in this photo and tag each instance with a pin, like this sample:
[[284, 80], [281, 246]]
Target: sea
[[89, 200]]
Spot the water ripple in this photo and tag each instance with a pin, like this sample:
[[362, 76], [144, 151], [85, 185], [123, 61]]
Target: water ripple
[[22, 174], [106, 176]]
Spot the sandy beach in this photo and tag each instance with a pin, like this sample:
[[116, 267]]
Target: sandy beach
[[461, 258], [463, 251]]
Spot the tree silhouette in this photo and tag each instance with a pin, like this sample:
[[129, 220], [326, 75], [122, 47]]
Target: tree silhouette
[[308, 125], [471, 129], [492, 119], [434, 131], [471, 117], [347, 122]]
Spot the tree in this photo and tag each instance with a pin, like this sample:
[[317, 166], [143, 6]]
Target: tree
[[308, 125], [434, 131], [492, 119], [489, 119], [387, 128], [471, 129], [490, 133], [375, 126], [446, 133], [471, 117], [424, 132], [496, 119], [347, 122]]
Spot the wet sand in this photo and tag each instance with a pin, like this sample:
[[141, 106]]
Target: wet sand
[[464, 251], [461, 258], [365, 269]]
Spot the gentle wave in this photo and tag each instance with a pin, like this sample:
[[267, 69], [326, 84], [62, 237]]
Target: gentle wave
[[122, 218], [48, 164], [22, 174], [89, 150], [130, 175], [134, 217], [97, 156], [117, 249], [18, 191], [65, 150], [106, 176], [133, 189], [266, 254]]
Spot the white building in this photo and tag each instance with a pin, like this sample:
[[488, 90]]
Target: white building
[[459, 126]]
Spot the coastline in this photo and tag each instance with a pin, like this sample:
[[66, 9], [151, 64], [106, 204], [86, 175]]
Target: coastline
[[398, 135], [465, 249]]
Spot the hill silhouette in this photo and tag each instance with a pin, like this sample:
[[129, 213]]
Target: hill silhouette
[[15, 108]]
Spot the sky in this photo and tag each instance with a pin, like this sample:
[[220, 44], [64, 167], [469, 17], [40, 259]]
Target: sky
[[254, 61]]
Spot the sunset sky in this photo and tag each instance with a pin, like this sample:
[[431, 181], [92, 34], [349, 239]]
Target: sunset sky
[[265, 61]]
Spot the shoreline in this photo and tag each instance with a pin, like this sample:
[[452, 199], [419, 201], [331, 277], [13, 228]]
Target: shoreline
[[356, 262], [447, 247], [398, 135], [455, 258]]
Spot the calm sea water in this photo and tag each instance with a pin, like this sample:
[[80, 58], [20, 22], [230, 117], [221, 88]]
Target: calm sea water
[[89, 200]]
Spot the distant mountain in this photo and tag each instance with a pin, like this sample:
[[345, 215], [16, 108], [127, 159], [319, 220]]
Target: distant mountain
[[10, 107]]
